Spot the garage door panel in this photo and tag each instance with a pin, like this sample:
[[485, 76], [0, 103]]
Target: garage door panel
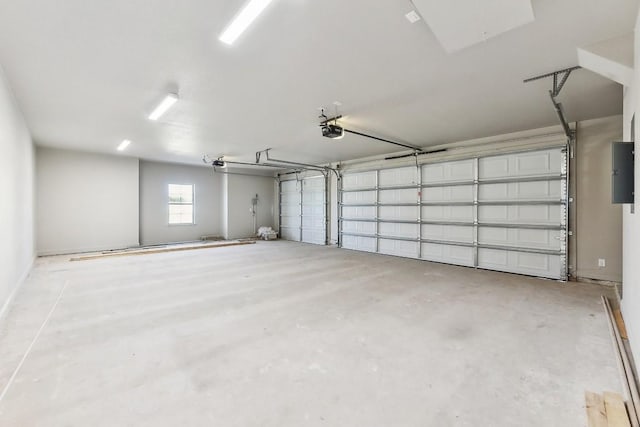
[[290, 198], [534, 190], [359, 227], [408, 195], [362, 197], [521, 214], [353, 181], [316, 222], [366, 244], [313, 236], [547, 162], [521, 262], [398, 177], [290, 221], [405, 213], [398, 230], [287, 233], [313, 184], [363, 212], [292, 186], [399, 248], [448, 213], [521, 237], [458, 193], [450, 254], [313, 210], [303, 210], [313, 198], [461, 170], [453, 233], [289, 210]]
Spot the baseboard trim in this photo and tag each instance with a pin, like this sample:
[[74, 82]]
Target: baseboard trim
[[609, 283], [5, 307]]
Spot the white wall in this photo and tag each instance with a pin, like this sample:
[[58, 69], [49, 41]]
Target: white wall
[[631, 221], [594, 210], [85, 201], [154, 208], [17, 189], [240, 190]]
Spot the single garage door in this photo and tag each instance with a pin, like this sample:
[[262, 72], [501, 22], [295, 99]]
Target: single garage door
[[303, 210], [506, 212]]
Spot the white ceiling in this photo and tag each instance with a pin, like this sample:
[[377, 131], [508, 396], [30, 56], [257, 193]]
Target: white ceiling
[[87, 73]]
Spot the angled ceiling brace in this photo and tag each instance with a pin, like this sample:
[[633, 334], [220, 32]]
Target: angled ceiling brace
[[207, 160], [559, 79], [306, 166]]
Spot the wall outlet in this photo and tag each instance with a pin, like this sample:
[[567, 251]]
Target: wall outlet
[[602, 262]]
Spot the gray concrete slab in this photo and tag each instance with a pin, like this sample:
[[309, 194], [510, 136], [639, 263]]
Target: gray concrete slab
[[287, 334]]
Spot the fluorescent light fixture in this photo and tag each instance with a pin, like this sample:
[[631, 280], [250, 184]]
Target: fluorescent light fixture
[[162, 108], [124, 144], [243, 20]]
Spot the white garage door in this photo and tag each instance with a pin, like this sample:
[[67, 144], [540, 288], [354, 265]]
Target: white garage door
[[303, 210], [505, 212]]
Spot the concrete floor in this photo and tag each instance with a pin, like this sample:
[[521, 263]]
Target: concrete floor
[[285, 334]]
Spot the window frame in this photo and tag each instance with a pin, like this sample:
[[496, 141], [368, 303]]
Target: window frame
[[192, 204]]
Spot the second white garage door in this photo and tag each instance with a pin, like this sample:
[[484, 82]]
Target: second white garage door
[[303, 210], [505, 212]]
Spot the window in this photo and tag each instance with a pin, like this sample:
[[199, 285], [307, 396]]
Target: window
[[180, 204]]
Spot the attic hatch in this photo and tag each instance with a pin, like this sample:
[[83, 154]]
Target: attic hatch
[[458, 24]]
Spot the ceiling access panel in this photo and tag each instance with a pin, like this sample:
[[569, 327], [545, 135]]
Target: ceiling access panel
[[458, 24]]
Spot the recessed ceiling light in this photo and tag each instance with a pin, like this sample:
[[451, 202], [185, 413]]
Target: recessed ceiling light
[[243, 20], [124, 144], [412, 17], [162, 108]]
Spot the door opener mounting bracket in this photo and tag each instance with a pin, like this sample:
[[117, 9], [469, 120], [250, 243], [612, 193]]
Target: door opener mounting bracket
[[559, 79]]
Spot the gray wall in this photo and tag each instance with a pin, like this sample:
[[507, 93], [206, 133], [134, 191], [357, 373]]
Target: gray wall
[[240, 190], [17, 189], [598, 221], [85, 201], [154, 180]]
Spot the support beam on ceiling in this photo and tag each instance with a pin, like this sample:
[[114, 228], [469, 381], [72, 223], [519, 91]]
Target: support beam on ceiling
[[611, 58]]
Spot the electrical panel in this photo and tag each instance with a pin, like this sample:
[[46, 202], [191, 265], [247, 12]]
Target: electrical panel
[[622, 180]]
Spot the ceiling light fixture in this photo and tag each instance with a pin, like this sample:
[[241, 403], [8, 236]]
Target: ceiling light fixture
[[124, 144], [412, 17], [162, 108], [243, 20]]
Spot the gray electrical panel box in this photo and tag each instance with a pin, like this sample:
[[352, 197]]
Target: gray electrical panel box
[[622, 179]]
